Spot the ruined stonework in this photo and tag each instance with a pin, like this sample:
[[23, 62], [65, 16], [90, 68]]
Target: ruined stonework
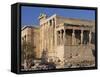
[[67, 41], [30, 35]]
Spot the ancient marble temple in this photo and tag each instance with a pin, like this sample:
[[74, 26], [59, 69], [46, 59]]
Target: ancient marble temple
[[66, 39]]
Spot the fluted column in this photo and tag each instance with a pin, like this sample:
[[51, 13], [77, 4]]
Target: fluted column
[[73, 37], [81, 36]]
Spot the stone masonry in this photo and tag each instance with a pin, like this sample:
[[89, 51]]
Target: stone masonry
[[65, 39]]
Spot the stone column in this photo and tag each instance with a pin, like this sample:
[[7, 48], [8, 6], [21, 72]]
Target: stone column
[[57, 37], [81, 36], [60, 37], [64, 37], [73, 37], [52, 22], [90, 37]]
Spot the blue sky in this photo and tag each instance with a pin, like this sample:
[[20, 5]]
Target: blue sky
[[29, 15]]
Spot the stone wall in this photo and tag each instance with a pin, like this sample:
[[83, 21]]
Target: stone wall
[[31, 35]]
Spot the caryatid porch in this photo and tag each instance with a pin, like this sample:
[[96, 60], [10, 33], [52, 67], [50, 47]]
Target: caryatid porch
[[69, 34]]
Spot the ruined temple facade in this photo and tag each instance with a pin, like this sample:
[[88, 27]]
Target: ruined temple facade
[[66, 39]]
